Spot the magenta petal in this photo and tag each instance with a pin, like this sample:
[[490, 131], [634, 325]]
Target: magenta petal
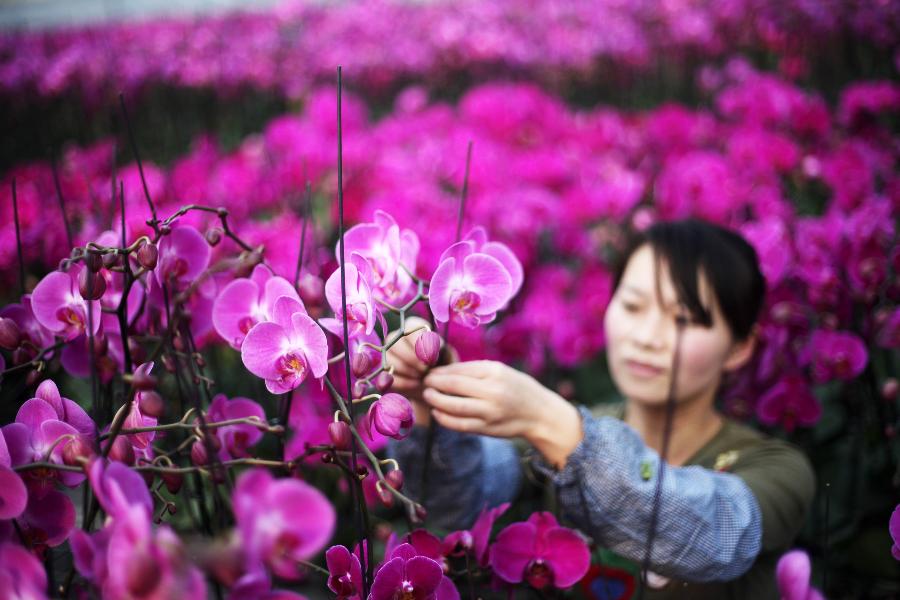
[[512, 551], [262, 348], [568, 555], [277, 287], [405, 551], [792, 574], [337, 559], [76, 416], [76, 359], [509, 261], [481, 531], [388, 580], [34, 412], [440, 289], [52, 292], [183, 244], [232, 307], [316, 525], [13, 494], [49, 393], [426, 544], [285, 307], [309, 336], [489, 279], [424, 574], [5, 458], [18, 443], [458, 251], [446, 590], [117, 487], [30, 574], [54, 514]]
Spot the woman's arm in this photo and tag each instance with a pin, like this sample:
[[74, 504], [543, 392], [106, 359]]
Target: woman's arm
[[709, 523], [466, 474]]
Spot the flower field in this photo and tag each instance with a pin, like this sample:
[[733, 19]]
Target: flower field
[[198, 305]]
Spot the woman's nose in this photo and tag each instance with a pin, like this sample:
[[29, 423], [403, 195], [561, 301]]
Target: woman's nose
[[648, 332]]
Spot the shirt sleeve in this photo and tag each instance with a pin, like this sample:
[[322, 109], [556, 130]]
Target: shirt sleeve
[[466, 474], [709, 524]]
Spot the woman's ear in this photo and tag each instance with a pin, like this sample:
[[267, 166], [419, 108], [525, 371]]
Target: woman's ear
[[742, 351]]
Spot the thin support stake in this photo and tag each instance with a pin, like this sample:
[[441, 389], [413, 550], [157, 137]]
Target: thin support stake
[[18, 238]]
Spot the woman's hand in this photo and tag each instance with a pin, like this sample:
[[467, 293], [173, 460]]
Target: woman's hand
[[491, 398]]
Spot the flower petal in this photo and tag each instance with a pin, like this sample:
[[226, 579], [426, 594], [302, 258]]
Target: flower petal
[[309, 336], [489, 279], [568, 555], [13, 494], [512, 551], [231, 307], [262, 347], [440, 289]]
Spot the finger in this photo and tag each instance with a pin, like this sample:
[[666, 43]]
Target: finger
[[481, 369], [406, 384], [405, 352], [463, 424], [459, 385], [457, 406]]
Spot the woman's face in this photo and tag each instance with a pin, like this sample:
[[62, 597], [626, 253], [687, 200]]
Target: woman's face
[[640, 331]]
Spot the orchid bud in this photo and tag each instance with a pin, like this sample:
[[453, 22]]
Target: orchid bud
[[168, 363], [143, 381], [340, 435], [110, 260], [361, 364], [165, 229], [171, 508], [391, 416], [395, 479], [152, 404], [198, 454], [10, 334], [428, 348], [32, 378], [138, 354], [385, 495], [122, 451], [359, 388], [384, 381], [213, 236], [22, 355], [148, 256], [889, 389], [173, 481], [420, 513], [93, 260], [91, 285], [178, 343], [77, 451]]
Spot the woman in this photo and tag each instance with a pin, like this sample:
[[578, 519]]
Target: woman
[[732, 499]]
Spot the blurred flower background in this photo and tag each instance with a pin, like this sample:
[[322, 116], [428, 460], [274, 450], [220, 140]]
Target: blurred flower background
[[780, 119]]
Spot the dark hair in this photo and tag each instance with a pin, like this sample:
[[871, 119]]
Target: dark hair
[[730, 264]]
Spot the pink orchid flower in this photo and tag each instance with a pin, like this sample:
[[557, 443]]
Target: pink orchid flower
[[272, 529], [408, 575], [502, 253], [836, 355], [118, 488], [245, 302], [286, 349], [468, 286], [59, 307], [475, 539], [540, 552], [235, 439], [47, 521], [789, 402], [361, 310], [344, 572], [183, 255], [385, 247]]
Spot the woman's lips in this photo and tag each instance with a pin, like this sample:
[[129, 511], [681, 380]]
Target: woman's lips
[[643, 369]]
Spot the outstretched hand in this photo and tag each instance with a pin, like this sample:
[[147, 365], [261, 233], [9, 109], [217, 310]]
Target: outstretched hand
[[491, 398]]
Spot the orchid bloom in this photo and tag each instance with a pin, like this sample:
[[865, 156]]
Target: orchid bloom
[[59, 307], [21, 574], [789, 402], [13, 494], [235, 439], [183, 256], [540, 552], [272, 529], [500, 251], [344, 572], [245, 302], [837, 355], [468, 287], [385, 247], [407, 575], [285, 350], [361, 310], [792, 574]]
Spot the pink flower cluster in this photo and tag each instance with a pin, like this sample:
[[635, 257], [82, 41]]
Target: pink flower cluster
[[383, 43], [759, 160]]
